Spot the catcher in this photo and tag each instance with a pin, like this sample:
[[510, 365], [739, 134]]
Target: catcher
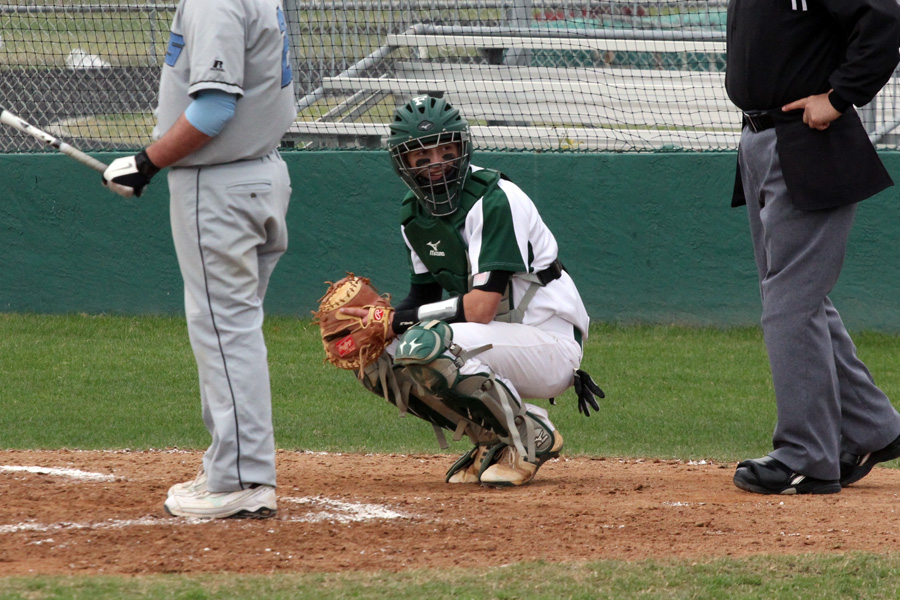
[[511, 327]]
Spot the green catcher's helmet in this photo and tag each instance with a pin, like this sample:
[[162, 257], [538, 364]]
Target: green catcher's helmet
[[423, 123]]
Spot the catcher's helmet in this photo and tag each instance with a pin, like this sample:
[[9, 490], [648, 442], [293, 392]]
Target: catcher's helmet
[[425, 123]]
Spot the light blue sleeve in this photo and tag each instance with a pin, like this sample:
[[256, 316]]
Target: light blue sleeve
[[211, 110]]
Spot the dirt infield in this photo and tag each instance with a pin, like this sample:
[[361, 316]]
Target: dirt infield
[[101, 512]]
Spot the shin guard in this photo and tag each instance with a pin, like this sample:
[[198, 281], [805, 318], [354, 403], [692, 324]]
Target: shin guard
[[393, 383], [433, 362]]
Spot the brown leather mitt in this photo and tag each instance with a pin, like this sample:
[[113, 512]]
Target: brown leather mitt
[[352, 342]]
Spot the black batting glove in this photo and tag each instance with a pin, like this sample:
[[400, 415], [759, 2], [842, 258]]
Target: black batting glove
[[130, 175], [585, 389]]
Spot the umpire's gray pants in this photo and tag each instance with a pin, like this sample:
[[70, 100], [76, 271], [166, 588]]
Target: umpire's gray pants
[[228, 225], [827, 401]]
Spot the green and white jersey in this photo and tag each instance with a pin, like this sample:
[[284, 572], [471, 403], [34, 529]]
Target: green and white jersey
[[236, 46], [497, 228]]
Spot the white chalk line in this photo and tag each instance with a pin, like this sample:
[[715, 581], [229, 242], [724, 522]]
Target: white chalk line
[[343, 512], [69, 525], [330, 510], [60, 472], [335, 511]]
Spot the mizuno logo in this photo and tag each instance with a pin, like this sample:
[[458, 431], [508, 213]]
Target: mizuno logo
[[434, 249]]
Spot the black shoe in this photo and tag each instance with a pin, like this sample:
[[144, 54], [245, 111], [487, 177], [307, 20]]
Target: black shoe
[[769, 476], [855, 467]]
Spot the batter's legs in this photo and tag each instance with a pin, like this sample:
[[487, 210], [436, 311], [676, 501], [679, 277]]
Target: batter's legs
[[228, 225]]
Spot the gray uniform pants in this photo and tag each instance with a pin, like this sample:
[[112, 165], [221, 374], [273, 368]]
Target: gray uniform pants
[[827, 401], [228, 225]]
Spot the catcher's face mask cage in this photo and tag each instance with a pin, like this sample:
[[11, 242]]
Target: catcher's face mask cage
[[435, 169], [431, 150]]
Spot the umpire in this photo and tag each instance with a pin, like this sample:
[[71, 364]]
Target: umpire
[[796, 68]]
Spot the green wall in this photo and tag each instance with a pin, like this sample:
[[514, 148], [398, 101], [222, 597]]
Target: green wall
[[647, 237]]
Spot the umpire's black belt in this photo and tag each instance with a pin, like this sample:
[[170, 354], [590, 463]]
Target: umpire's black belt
[[758, 121]]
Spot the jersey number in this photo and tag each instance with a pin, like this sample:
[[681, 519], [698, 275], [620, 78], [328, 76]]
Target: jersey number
[[286, 75], [173, 51]]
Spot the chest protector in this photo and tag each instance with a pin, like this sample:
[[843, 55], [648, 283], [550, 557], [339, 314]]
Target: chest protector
[[438, 241]]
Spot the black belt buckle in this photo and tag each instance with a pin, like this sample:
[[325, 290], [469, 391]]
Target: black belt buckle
[[758, 121]]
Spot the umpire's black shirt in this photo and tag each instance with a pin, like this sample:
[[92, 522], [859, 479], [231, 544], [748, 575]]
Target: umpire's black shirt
[[784, 50], [780, 51]]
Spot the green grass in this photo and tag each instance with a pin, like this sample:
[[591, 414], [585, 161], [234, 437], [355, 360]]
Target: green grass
[[45, 39], [123, 129], [868, 576], [672, 392]]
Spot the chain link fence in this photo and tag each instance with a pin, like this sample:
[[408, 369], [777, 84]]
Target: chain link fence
[[528, 74]]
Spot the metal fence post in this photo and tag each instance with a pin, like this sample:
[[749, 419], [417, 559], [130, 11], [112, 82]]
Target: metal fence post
[[152, 18], [292, 12], [518, 16]]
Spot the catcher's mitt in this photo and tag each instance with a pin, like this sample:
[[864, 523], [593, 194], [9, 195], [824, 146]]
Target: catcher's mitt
[[352, 342]]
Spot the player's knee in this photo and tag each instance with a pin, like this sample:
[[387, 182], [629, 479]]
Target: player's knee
[[429, 356]]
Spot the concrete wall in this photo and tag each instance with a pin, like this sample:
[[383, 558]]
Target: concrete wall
[[647, 237]]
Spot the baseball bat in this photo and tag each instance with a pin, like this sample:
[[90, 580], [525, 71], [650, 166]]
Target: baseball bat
[[8, 118]]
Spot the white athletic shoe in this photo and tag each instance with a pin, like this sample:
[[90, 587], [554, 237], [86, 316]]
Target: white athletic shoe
[[252, 503], [197, 484]]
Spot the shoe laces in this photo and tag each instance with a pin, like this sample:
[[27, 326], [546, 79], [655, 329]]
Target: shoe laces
[[510, 456]]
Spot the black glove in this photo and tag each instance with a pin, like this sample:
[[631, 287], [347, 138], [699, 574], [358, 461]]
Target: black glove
[[585, 388], [129, 175]]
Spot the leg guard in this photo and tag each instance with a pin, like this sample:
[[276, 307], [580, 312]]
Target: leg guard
[[433, 362], [394, 384]]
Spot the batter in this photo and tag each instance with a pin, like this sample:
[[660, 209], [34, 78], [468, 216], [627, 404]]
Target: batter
[[225, 100]]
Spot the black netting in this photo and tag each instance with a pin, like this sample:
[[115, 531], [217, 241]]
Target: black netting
[[527, 74]]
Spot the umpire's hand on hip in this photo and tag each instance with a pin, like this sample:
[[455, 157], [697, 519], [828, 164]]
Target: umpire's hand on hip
[[818, 112]]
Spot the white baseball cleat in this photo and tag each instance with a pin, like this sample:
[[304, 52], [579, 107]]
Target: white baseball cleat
[[197, 484], [253, 503]]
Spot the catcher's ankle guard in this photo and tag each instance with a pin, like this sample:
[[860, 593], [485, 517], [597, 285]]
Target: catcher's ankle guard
[[471, 465], [505, 466], [468, 467], [547, 442]]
